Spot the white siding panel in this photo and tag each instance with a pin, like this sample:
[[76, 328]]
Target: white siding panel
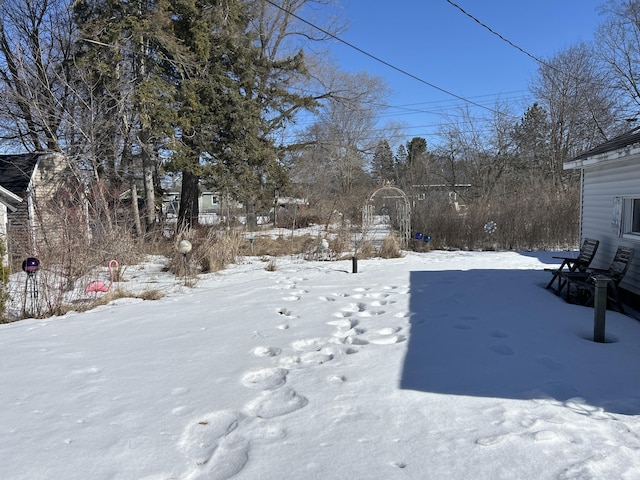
[[601, 184]]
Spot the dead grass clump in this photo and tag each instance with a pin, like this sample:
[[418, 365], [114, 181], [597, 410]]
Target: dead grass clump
[[220, 248], [212, 250], [367, 250], [340, 243], [154, 294], [390, 247], [279, 246]]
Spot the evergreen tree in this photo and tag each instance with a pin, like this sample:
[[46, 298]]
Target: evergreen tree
[[382, 164], [123, 56], [416, 150], [232, 98], [532, 140]]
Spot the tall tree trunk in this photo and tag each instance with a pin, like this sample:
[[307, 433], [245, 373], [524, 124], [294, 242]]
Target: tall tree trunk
[[188, 212], [147, 177], [134, 206]]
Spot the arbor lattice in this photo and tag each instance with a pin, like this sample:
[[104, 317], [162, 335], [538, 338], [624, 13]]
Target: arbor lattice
[[391, 201]]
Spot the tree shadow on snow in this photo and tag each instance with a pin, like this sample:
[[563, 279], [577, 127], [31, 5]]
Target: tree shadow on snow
[[500, 333]]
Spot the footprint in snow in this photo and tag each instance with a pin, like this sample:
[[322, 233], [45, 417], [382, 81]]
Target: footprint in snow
[[462, 326], [344, 324], [355, 307], [266, 351], [377, 295], [337, 379], [228, 459], [306, 359], [274, 403], [327, 299], [387, 339], [265, 379], [502, 350], [544, 435], [387, 330], [491, 440], [309, 344], [499, 334], [202, 437]]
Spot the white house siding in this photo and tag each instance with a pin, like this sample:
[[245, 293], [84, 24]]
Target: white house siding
[[3, 230], [601, 185]]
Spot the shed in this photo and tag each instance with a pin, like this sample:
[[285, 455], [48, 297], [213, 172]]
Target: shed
[[610, 200], [8, 203], [27, 184]]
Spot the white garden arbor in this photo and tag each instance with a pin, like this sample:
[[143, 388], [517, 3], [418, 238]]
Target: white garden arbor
[[389, 202]]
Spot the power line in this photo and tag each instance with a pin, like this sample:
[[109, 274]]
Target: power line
[[484, 25], [530, 55], [378, 59]]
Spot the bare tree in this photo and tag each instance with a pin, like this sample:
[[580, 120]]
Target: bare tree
[[580, 102], [35, 72], [618, 47], [344, 126]]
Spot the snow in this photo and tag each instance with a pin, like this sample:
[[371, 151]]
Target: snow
[[438, 365]]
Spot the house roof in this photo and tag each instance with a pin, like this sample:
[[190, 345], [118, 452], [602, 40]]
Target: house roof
[[618, 148], [10, 200], [621, 141], [16, 171]]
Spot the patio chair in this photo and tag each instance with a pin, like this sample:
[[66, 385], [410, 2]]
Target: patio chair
[[581, 285], [573, 263]]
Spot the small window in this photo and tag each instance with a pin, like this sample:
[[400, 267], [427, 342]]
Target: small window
[[631, 217], [635, 216]]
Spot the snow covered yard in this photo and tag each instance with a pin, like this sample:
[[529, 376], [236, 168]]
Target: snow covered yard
[[441, 365]]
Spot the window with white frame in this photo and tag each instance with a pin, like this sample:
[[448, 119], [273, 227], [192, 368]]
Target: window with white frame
[[629, 214]]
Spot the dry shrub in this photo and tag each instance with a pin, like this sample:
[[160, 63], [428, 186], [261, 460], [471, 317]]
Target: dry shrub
[[340, 243], [281, 245], [367, 250], [291, 218], [221, 248], [153, 294], [390, 247], [212, 250]]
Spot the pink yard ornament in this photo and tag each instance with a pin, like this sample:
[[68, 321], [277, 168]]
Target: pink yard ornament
[[98, 285]]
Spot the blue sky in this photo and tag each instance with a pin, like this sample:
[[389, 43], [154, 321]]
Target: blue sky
[[433, 40]]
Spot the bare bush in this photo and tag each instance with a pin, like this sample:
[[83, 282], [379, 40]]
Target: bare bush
[[390, 247], [264, 245], [534, 221]]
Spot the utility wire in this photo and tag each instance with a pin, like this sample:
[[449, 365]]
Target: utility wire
[[530, 55], [378, 59], [484, 25]]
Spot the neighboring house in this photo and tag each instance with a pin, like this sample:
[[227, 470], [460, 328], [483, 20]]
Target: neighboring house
[[31, 182], [441, 190], [610, 200], [212, 206], [8, 203]]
